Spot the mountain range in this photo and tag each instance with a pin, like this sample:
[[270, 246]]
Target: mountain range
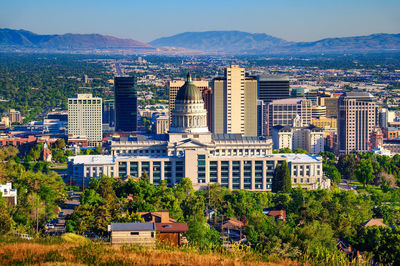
[[208, 42]]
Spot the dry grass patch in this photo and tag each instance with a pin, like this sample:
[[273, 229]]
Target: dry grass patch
[[102, 254]]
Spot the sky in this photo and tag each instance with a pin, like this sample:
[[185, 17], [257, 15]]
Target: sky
[[146, 20]]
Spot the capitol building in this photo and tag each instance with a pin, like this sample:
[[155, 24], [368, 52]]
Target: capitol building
[[190, 150]]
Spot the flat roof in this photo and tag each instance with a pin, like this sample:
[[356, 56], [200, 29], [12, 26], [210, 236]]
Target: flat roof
[[133, 227], [301, 157], [288, 101]]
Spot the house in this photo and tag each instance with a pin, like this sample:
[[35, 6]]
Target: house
[[157, 217], [143, 234], [374, 222], [279, 215], [171, 233], [9, 194], [232, 229]]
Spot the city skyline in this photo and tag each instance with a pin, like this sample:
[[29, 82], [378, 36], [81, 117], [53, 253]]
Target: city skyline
[[148, 21]]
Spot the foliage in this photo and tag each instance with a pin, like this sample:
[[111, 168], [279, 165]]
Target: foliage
[[282, 180]]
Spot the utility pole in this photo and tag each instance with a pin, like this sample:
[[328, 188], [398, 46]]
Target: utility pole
[[37, 215]]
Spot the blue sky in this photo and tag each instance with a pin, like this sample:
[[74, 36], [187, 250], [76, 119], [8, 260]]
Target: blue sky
[[293, 20]]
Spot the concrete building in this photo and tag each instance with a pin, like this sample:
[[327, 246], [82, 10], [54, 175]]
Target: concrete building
[[125, 95], [235, 103], [273, 87], [207, 98], [262, 118], [9, 194], [109, 113], [190, 150], [309, 138], [85, 118], [385, 117], [331, 104], [282, 112], [318, 111], [14, 116], [356, 121], [161, 124]]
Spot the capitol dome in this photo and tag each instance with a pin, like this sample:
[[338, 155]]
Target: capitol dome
[[189, 93], [189, 115]]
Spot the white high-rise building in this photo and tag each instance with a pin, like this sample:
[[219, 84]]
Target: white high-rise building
[[85, 118]]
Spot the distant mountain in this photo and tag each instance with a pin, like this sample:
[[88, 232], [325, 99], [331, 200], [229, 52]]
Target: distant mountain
[[208, 42], [237, 42], [27, 39], [221, 41]]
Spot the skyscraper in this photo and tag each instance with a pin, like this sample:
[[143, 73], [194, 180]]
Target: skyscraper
[[262, 112], [109, 112], [207, 98], [235, 103], [356, 121], [125, 104], [85, 118], [273, 87], [282, 112]]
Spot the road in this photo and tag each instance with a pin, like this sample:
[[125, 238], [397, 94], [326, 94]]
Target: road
[[67, 208], [118, 69]]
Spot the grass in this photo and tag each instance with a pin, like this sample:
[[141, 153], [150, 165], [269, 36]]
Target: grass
[[58, 251]]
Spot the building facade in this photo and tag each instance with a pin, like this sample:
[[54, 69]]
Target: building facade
[[273, 87], [356, 121], [85, 118], [282, 112], [235, 103], [190, 150], [14, 116], [125, 96]]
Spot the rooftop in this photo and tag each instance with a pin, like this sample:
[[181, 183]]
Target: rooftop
[[288, 101], [172, 227], [301, 157], [133, 227]]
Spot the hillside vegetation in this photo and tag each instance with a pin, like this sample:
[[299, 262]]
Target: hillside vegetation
[[103, 254]]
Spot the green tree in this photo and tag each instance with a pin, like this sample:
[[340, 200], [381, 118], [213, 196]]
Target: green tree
[[364, 171], [282, 180], [5, 218], [59, 144]]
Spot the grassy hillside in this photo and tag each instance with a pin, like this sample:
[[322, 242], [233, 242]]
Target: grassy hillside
[[101, 254]]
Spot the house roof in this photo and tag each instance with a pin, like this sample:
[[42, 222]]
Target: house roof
[[232, 223], [172, 227], [275, 213], [133, 227], [376, 222]]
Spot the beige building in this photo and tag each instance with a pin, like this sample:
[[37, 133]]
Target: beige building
[[85, 118], [14, 116], [235, 103], [331, 104], [356, 121], [318, 111], [142, 234], [309, 138], [329, 124], [282, 112], [190, 150], [161, 124]]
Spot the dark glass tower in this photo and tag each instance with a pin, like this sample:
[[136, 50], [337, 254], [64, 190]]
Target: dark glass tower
[[125, 104], [273, 87]]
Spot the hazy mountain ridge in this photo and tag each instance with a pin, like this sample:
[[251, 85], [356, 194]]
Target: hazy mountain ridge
[[220, 41], [260, 43], [27, 39], [211, 42]]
